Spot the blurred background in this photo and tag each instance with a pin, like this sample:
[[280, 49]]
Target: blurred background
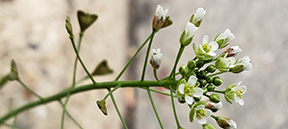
[[33, 34]]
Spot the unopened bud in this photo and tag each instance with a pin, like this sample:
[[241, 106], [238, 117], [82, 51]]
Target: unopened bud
[[226, 122], [191, 64], [217, 81], [211, 68], [214, 98], [208, 126], [210, 87], [232, 51], [183, 70], [159, 18], [156, 58], [13, 75], [69, 26], [214, 106]]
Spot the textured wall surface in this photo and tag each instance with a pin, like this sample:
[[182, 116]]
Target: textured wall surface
[[33, 33]]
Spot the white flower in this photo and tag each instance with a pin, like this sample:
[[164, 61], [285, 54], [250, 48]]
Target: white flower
[[225, 63], [241, 65], [188, 33], [235, 92], [224, 39], [208, 48], [189, 90], [159, 17], [214, 106], [201, 114], [200, 12], [156, 58], [160, 13], [233, 51]]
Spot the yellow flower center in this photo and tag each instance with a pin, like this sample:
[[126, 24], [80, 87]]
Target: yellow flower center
[[206, 47], [200, 113]]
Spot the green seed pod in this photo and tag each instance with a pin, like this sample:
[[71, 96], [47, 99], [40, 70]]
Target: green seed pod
[[211, 68], [217, 81], [214, 98], [191, 64]]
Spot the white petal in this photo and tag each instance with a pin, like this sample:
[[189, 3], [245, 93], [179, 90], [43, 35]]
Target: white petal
[[243, 88], [181, 88], [205, 39], [232, 124], [218, 105], [236, 49], [190, 29], [159, 10], [214, 46], [200, 107], [208, 112], [188, 99], [211, 53], [192, 80], [198, 92], [200, 12], [203, 120]]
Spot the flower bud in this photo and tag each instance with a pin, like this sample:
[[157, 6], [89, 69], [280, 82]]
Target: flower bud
[[210, 87], [199, 63], [167, 22], [214, 106], [202, 74], [217, 81], [188, 33], [68, 26], [183, 70], [226, 122], [197, 17], [85, 19], [224, 64], [13, 75], [232, 51], [208, 126], [209, 79], [223, 39], [211, 68], [214, 98], [191, 64], [241, 65], [156, 58], [203, 82], [102, 106], [159, 18]]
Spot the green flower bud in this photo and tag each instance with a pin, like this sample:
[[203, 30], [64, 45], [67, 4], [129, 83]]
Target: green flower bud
[[102, 106], [13, 75], [209, 79], [211, 68], [85, 20], [199, 63], [167, 22], [203, 82], [183, 69], [202, 74], [210, 87], [181, 99], [217, 81], [214, 98], [205, 90], [222, 64], [69, 26], [237, 69], [191, 64], [208, 126]]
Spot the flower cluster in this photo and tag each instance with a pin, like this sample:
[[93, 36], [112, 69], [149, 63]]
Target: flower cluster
[[197, 86]]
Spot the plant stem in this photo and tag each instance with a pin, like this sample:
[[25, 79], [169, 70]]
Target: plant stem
[[70, 115], [147, 55], [118, 86], [155, 76], [73, 81], [143, 76], [159, 92], [29, 89], [126, 66], [174, 109], [215, 74], [79, 58], [172, 74], [217, 91]]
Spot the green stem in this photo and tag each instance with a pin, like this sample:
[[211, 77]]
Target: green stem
[[118, 86], [29, 89], [174, 109], [75, 90], [116, 107], [69, 116], [172, 74], [147, 55], [79, 58], [159, 92], [217, 91], [155, 75], [126, 66], [215, 74], [154, 108], [73, 81]]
